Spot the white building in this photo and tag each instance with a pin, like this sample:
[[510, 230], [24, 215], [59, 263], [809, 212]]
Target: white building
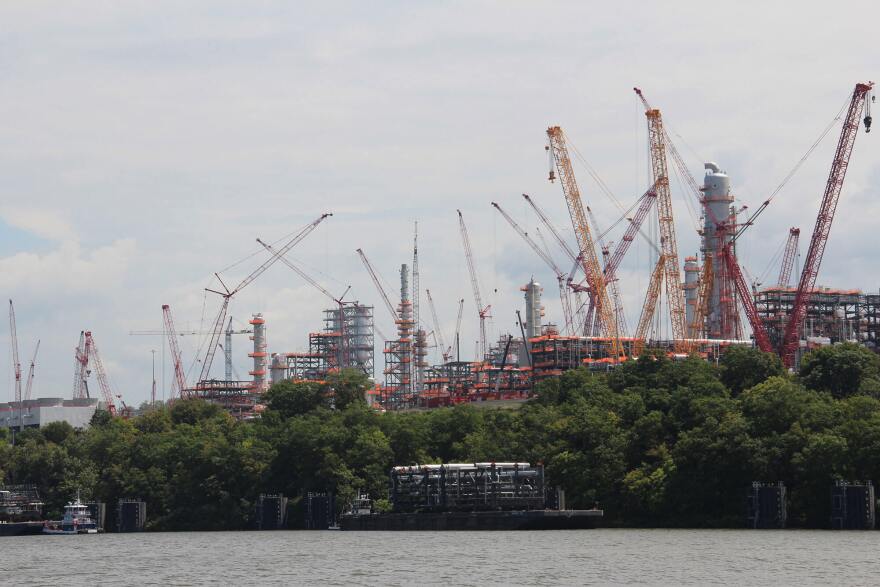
[[36, 413]]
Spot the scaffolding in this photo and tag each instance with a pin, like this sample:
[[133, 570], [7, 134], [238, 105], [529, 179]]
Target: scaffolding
[[832, 315], [356, 339]]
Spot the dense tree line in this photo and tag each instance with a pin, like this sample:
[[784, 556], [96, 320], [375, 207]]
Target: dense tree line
[[656, 442]]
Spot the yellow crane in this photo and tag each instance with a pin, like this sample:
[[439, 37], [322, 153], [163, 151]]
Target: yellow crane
[[649, 307], [589, 259]]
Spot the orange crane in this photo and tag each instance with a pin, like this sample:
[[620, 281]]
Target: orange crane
[[859, 102], [560, 276], [702, 306], [227, 294], [589, 260], [649, 307], [672, 274], [87, 354], [30, 378], [478, 300], [178, 384], [788, 256]]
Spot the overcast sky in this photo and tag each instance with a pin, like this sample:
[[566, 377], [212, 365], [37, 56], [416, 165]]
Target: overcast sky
[[145, 145]]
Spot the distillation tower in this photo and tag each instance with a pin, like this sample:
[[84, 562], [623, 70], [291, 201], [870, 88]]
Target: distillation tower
[[719, 226]]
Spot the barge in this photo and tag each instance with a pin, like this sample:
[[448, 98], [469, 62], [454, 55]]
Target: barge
[[21, 510], [469, 496]]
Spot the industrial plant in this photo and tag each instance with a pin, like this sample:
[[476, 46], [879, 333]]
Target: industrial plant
[[709, 301]]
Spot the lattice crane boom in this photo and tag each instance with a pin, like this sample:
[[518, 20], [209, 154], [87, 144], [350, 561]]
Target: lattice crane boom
[[649, 307], [30, 378], [220, 320], [672, 274], [702, 306], [382, 293], [589, 259], [438, 333], [178, 384], [560, 276], [16, 362], [80, 366], [101, 374], [788, 257], [475, 285], [762, 339], [822, 228], [458, 326]]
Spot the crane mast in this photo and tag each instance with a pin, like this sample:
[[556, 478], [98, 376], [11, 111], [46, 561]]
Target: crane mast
[[458, 329], [762, 339], [649, 307], [674, 293], [791, 246], [178, 384], [81, 364], [822, 228], [475, 286], [589, 259], [100, 373]]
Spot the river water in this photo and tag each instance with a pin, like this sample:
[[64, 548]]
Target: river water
[[601, 557]]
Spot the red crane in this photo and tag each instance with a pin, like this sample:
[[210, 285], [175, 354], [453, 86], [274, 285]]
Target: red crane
[[481, 310], [90, 355], [178, 384], [788, 257], [220, 321], [16, 363], [822, 228], [762, 339], [80, 368]]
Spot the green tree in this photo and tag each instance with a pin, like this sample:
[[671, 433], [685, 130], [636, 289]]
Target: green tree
[[288, 398], [348, 386], [842, 369], [744, 367]]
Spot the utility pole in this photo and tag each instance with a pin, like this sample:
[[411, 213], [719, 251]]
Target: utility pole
[[153, 391]]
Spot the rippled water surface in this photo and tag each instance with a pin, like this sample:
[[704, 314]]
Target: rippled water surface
[[654, 557]]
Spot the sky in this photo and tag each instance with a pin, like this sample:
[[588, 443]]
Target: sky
[[146, 145]]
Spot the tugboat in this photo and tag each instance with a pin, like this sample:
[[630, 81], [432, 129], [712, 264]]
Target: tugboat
[[77, 520]]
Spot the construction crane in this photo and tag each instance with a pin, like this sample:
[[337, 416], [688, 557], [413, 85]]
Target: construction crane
[[589, 260], [227, 294], [87, 354], [475, 286], [560, 276], [702, 305], [578, 316], [762, 339], [30, 378], [859, 102], [382, 293], [788, 257], [16, 363], [610, 283], [672, 274], [438, 333], [649, 307], [343, 354], [178, 384]]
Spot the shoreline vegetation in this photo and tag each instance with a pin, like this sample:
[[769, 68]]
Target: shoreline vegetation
[[657, 443]]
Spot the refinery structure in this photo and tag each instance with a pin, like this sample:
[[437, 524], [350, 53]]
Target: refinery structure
[[705, 299]]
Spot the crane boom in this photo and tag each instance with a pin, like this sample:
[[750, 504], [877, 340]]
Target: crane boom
[[80, 365], [378, 284], [458, 327], [822, 228], [16, 363], [762, 339], [178, 384], [674, 293], [635, 223], [438, 333], [220, 320], [475, 285], [791, 246], [30, 377], [101, 374], [589, 260], [702, 306], [649, 307], [545, 256]]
